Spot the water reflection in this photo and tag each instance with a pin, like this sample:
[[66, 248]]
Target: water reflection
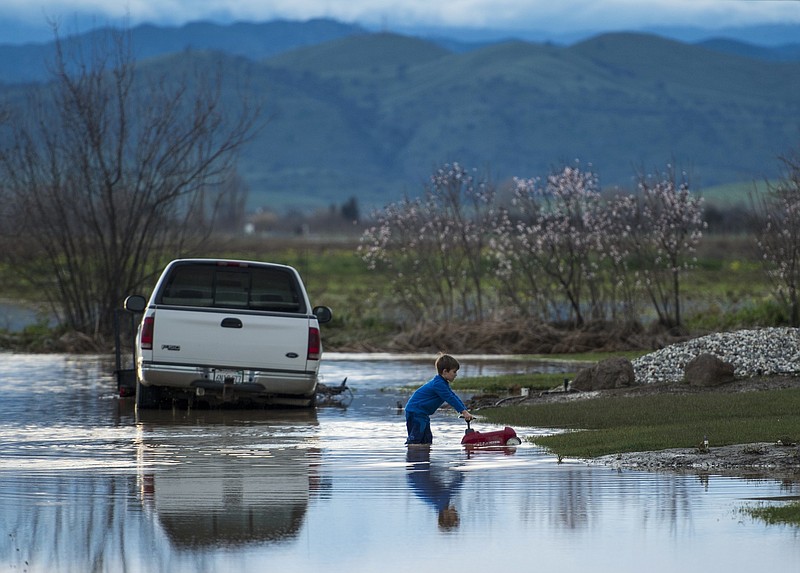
[[227, 478], [435, 484], [86, 484]]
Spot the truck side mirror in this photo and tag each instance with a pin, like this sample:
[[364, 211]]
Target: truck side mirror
[[135, 303], [323, 314]]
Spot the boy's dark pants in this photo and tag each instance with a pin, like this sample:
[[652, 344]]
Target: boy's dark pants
[[419, 428]]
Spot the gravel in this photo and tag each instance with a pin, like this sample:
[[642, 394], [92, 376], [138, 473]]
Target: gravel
[[757, 352]]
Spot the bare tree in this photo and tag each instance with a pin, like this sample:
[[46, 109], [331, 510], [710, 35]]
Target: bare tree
[[778, 212], [233, 194], [108, 171]]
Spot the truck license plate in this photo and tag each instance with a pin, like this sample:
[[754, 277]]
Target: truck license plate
[[237, 376]]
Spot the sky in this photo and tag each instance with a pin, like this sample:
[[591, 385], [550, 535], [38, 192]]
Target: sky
[[30, 17]]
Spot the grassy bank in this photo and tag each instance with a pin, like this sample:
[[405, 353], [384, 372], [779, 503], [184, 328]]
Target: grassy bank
[[648, 423], [645, 423], [508, 384]]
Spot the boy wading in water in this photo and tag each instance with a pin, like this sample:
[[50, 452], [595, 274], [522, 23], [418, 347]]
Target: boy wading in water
[[429, 397]]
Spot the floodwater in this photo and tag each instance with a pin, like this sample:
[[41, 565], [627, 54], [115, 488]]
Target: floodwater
[[87, 486]]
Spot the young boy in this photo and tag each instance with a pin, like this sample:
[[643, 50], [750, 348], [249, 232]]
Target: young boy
[[429, 397]]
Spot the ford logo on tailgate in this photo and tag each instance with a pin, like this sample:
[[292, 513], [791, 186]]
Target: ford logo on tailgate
[[292, 355]]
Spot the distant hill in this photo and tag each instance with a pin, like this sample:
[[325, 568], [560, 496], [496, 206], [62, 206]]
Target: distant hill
[[622, 102], [783, 53], [27, 63], [768, 35], [371, 114]]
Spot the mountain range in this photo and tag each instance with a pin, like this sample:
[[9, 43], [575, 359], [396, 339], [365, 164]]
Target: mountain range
[[358, 113]]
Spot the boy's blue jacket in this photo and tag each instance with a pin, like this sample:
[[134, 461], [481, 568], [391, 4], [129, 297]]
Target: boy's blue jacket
[[430, 396]]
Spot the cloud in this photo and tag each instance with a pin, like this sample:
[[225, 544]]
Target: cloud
[[509, 14]]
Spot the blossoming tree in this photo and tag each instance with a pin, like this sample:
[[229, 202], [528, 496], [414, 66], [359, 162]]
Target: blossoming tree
[[434, 247], [550, 244], [668, 227]]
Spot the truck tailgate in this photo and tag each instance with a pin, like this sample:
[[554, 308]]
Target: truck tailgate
[[248, 341]]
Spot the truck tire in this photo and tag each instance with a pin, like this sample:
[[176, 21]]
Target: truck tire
[[148, 397]]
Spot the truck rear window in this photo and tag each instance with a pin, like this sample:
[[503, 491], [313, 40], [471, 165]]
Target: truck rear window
[[252, 288]]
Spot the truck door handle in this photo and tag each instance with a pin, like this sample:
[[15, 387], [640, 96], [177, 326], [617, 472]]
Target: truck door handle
[[231, 323]]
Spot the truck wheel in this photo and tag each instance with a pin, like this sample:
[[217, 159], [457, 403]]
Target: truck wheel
[[147, 397], [513, 442]]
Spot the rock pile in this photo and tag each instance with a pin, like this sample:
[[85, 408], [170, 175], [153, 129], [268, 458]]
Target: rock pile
[[757, 352]]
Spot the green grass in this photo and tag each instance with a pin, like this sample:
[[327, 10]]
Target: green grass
[[508, 383], [788, 513], [732, 194], [505, 384], [537, 382], [616, 424]]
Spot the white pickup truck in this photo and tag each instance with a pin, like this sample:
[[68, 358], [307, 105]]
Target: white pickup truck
[[220, 331]]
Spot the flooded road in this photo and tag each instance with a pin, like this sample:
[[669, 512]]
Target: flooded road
[[85, 485]]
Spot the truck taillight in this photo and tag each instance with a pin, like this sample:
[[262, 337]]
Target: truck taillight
[[147, 332], [314, 345]]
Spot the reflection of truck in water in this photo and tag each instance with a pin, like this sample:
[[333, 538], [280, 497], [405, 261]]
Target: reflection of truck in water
[[227, 331], [236, 490]]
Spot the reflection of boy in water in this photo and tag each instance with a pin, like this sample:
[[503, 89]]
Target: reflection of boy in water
[[434, 485]]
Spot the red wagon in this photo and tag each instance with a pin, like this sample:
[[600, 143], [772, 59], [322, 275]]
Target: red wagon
[[505, 437]]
